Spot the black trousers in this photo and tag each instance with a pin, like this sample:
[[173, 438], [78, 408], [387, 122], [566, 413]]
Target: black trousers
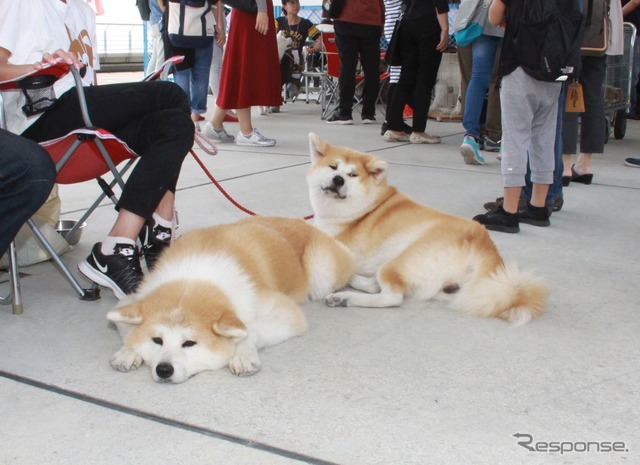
[[153, 118], [420, 63], [358, 40]]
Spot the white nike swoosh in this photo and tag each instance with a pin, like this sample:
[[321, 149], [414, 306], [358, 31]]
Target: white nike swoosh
[[103, 269]]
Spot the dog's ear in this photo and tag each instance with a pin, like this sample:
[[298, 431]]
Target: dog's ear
[[377, 169], [317, 147], [129, 314], [230, 326]]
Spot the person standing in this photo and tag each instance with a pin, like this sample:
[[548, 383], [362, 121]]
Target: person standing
[[424, 36], [250, 75], [358, 29]]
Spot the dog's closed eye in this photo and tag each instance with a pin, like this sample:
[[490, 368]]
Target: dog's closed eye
[[189, 343], [333, 167], [157, 340]]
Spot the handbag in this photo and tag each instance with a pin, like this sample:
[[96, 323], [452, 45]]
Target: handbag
[[575, 98], [190, 23], [248, 6], [597, 28], [470, 20], [392, 56]]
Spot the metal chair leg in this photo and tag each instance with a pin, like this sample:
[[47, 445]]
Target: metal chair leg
[[14, 297]]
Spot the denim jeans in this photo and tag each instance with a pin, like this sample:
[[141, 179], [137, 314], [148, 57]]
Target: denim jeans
[[484, 50], [195, 80], [153, 118], [27, 175]]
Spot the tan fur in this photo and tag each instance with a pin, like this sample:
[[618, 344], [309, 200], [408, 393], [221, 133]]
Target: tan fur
[[219, 294], [403, 248]]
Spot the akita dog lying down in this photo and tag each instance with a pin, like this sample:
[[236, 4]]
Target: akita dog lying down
[[219, 294], [402, 248]]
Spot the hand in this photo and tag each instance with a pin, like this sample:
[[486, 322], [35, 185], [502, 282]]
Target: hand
[[444, 41], [262, 22], [220, 36], [52, 58]]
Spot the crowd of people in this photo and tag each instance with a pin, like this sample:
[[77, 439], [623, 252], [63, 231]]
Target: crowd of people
[[242, 69]]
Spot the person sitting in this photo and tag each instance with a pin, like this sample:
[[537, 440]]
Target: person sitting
[[298, 29], [152, 118]]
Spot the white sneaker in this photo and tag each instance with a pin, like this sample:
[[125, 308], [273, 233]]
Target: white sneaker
[[255, 139], [219, 135]]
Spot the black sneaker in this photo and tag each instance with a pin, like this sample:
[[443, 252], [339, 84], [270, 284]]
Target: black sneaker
[[338, 118], [368, 119], [499, 220], [120, 272], [537, 216], [154, 241]]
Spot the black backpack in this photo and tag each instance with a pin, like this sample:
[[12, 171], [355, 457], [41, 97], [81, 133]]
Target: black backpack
[[548, 38]]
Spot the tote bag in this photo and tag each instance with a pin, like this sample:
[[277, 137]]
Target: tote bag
[[470, 20], [597, 28], [190, 23], [248, 6]]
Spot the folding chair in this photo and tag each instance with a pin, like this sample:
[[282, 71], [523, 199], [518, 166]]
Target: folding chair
[[84, 154]]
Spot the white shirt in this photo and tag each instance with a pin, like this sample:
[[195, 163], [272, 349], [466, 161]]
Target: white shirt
[[30, 28]]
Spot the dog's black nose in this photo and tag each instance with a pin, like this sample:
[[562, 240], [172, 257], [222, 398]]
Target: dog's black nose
[[338, 181], [164, 370]]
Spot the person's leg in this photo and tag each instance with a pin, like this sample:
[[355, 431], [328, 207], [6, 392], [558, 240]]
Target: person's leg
[[200, 80], [428, 63], [348, 52], [151, 117], [370, 61], [483, 51], [493, 124], [465, 60], [216, 68], [27, 175], [633, 99], [592, 125]]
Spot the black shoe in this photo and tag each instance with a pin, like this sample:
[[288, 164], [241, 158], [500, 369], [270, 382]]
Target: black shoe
[[368, 119], [581, 178], [499, 220], [154, 241], [537, 216], [338, 118], [557, 204], [120, 272]]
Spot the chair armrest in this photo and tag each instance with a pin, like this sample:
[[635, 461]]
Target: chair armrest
[[164, 69]]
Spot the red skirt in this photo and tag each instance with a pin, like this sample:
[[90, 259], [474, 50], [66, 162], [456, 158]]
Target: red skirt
[[250, 74]]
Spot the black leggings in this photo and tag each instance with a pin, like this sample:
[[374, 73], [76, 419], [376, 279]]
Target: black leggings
[[153, 118]]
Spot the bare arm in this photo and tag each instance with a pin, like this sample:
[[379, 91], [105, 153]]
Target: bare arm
[[496, 12], [10, 71], [221, 34], [443, 20], [629, 7]]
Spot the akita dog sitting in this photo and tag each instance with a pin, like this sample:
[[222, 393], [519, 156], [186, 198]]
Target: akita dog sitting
[[403, 248]]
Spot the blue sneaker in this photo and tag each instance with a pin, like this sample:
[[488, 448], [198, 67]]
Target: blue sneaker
[[470, 151]]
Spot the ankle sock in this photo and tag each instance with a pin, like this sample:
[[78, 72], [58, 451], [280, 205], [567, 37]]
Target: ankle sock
[[109, 244]]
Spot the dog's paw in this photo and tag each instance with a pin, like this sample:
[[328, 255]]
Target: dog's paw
[[336, 300], [244, 366], [125, 360]]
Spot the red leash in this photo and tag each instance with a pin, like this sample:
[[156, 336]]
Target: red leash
[[221, 189]]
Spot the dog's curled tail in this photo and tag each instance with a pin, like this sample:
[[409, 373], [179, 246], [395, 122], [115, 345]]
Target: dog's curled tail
[[507, 293]]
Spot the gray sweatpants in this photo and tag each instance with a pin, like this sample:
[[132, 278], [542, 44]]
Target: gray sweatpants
[[529, 112]]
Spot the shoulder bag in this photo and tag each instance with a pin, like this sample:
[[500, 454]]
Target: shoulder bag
[[597, 28], [248, 6], [190, 23], [332, 8], [470, 20], [393, 56]]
